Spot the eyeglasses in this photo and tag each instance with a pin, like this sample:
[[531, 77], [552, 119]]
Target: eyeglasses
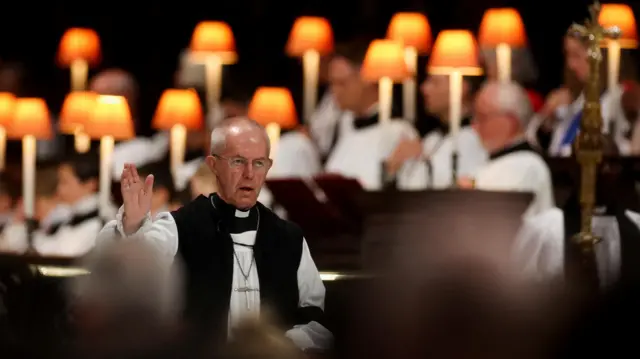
[[259, 164]]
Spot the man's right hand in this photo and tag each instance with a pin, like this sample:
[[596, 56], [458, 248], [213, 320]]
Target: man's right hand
[[555, 99], [136, 195]]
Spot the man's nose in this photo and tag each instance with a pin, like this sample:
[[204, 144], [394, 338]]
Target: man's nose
[[249, 172]]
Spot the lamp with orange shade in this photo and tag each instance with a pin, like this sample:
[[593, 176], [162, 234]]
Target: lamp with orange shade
[[76, 111], [178, 111], [110, 120], [384, 63], [620, 16], [273, 108], [79, 48], [502, 29], [213, 44], [455, 54], [412, 29], [7, 107], [30, 121], [310, 38]]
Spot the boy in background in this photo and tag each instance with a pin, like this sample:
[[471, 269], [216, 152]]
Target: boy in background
[[163, 186]]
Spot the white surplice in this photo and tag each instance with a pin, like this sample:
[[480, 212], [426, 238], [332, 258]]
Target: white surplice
[[438, 149], [519, 171], [541, 242], [360, 154], [162, 232], [323, 123]]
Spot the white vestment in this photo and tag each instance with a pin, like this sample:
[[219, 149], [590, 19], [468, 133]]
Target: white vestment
[[542, 241], [323, 124], [360, 154], [438, 149], [162, 232], [519, 171]]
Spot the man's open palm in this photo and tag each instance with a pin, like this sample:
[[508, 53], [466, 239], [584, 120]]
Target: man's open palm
[[136, 195]]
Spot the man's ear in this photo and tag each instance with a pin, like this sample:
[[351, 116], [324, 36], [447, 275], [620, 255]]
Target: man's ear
[[211, 163]]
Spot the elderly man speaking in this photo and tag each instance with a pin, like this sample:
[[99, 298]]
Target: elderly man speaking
[[238, 256]]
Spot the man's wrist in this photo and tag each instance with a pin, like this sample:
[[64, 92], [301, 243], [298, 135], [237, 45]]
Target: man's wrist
[[130, 227]]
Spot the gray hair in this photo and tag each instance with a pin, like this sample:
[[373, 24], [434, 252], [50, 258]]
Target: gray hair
[[220, 133], [132, 277], [523, 68], [511, 98]]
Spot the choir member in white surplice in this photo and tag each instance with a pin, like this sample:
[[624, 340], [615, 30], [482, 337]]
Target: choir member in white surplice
[[547, 238], [556, 126], [238, 255], [361, 151], [502, 111], [437, 147]]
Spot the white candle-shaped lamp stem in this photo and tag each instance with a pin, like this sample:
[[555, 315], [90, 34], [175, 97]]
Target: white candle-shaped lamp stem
[[29, 176], [106, 157], [3, 147], [273, 131], [178, 146], [385, 99], [79, 73], [455, 106], [409, 87], [613, 63], [213, 80], [81, 141], [311, 69], [503, 62]]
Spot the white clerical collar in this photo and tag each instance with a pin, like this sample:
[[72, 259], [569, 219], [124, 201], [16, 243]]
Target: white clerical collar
[[242, 214]]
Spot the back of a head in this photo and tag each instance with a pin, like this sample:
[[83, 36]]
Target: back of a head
[[353, 51], [115, 82], [86, 166], [511, 98]]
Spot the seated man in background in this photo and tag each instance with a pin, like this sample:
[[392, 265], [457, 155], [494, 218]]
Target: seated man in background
[[502, 112]]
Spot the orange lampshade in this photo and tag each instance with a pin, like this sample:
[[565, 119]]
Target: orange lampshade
[[77, 109], [310, 33], [214, 37], [7, 108], [79, 44], [110, 117], [384, 58], [502, 26], [30, 117], [455, 50], [273, 105], [620, 15], [412, 29], [178, 107]]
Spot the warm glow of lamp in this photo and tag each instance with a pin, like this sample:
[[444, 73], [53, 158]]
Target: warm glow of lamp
[[273, 108], [503, 30], [77, 109], [178, 111], [110, 121], [384, 63], [455, 53], [7, 107], [79, 48], [213, 43], [31, 121], [621, 16], [310, 38], [412, 29]]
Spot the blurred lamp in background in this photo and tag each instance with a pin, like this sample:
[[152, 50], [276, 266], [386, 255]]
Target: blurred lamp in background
[[310, 38], [620, 16], [110, 120], [178, 111], [502, 29], [213, 44], [79, 48], [76, 111], [273, 108], [455, 54], [7, 107], [412, 29]]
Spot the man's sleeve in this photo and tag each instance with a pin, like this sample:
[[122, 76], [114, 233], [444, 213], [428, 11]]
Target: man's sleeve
[[311, 334], [161, 232]]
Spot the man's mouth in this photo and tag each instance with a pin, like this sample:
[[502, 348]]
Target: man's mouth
[[246, 189]]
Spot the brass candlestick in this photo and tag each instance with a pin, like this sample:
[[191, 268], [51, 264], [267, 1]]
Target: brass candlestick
[[589, 145]]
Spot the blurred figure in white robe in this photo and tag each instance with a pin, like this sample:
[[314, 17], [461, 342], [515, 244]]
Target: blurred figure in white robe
[[436, 149], [502, 112], [361, 152]]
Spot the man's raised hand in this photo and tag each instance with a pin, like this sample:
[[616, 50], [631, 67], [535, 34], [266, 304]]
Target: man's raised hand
[[136, 195]]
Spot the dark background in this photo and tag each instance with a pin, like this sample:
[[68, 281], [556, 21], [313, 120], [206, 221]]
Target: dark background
[[146, 38]]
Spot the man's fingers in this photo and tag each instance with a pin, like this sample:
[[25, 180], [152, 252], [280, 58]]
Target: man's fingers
[[148, 184], [134, 173]]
